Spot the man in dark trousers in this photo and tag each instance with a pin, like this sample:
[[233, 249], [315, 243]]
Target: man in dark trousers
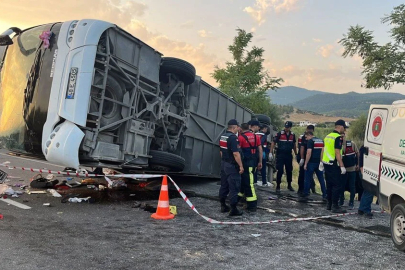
[[252, 160], [263, 133], [302, 153], [231, 169], [334, 167], [311, 165], [286, 143]]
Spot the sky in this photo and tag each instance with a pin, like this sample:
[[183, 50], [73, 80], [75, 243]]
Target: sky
[[300, 37]]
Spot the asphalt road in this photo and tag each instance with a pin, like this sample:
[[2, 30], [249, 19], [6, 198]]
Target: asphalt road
[[114, 235]]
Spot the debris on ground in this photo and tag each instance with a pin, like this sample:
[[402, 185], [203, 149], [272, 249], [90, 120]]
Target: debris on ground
[[47, 204], [79, 200], [54, 193]]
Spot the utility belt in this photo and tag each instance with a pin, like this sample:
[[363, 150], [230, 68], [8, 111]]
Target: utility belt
[[330, 163]]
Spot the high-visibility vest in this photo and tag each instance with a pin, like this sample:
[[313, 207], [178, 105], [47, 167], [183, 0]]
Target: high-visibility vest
[[329, 156]]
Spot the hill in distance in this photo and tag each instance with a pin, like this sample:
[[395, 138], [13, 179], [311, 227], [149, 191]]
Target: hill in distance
[[290, 94], [345, 105], [349, 105]]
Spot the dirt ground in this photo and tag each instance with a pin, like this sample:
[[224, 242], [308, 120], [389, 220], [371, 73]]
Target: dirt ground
[[117, 235]]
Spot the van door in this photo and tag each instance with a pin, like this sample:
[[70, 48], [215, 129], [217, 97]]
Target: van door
[[375, 131]]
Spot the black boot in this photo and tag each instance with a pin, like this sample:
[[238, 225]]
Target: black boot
[[329, 206], [234, 211], [290, 188], [224, 208], [338, 210]]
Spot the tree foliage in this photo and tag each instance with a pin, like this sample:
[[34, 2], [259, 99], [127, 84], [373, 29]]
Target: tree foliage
[[383, 65], [245, 79], [357, 130]]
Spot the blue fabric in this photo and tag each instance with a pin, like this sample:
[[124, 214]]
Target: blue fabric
[[311, 168], [365, 202]]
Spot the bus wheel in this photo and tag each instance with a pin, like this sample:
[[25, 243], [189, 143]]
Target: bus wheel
[[164, 159], [397, 225], [184, 70]]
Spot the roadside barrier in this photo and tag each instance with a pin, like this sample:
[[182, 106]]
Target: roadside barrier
[[162, 211]]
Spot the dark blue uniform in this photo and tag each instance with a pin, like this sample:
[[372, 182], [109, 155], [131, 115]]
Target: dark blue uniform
[[230, 177], [316, 145], [285, 144]]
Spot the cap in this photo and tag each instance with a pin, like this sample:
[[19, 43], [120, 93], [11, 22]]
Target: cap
[[254, 123], [233, 122], [341, 122], [309, 133], [288, 124]]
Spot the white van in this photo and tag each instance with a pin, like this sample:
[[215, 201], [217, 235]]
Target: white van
[[384, 163]]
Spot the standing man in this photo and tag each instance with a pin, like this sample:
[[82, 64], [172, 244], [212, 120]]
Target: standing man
[[350, 160], [231, 169], [252, 160], [367, 197], [334, 167], [264, 131], [312, 164], [302, 153], [285, 141]]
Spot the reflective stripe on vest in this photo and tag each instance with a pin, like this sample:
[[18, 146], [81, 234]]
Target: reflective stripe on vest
[[329, 149]]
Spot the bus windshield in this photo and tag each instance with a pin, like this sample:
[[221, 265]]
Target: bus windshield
[[17, 63]]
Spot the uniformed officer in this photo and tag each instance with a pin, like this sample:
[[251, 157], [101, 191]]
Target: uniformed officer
[[286, 143], [252, 160], [263, 133], [350, 160], [302, 153], [334, 167], [311, 165], [231, 169]]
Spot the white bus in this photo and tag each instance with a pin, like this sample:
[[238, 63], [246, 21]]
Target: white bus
[[87, 93]]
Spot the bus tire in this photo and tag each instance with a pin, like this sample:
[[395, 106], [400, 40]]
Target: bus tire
[[183, 69], [263, 119], [164, 159], [397, 226]]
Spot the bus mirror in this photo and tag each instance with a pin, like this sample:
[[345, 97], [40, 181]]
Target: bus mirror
[[5, 39]]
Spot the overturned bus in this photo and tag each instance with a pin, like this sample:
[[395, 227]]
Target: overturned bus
[[87, 93]]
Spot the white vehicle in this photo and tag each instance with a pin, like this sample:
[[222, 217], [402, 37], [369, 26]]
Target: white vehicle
[[384, 163], [87, 93]]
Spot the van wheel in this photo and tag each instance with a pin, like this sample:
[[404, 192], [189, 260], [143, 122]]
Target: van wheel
[[397, 225], [111, 111], [184, 70], [161, 160]]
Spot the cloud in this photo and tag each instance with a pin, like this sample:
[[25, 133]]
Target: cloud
[[196, 55], [262, 7], [204, 33], [317, 40], [30, 13], [125, 13], [187, 24], [326, 50]]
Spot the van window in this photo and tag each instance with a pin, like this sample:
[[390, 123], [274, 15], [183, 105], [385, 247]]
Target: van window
[[376, 125]]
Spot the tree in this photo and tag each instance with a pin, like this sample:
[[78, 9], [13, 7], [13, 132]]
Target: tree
[[383, 65], [357, 130], [245, 79]]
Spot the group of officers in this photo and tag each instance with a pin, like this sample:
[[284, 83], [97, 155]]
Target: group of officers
[[245, 150]]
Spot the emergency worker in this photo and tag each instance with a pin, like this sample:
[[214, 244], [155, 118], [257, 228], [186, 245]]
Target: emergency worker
[[350, 160], [263, 133], [334, 167], [231, 169], [286, 143], [302, 153], [311, 165], [252, 160]]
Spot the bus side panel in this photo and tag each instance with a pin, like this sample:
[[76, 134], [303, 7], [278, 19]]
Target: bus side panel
[[392, 182]]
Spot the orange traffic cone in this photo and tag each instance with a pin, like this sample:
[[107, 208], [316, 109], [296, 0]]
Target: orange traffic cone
[[163, 211]]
